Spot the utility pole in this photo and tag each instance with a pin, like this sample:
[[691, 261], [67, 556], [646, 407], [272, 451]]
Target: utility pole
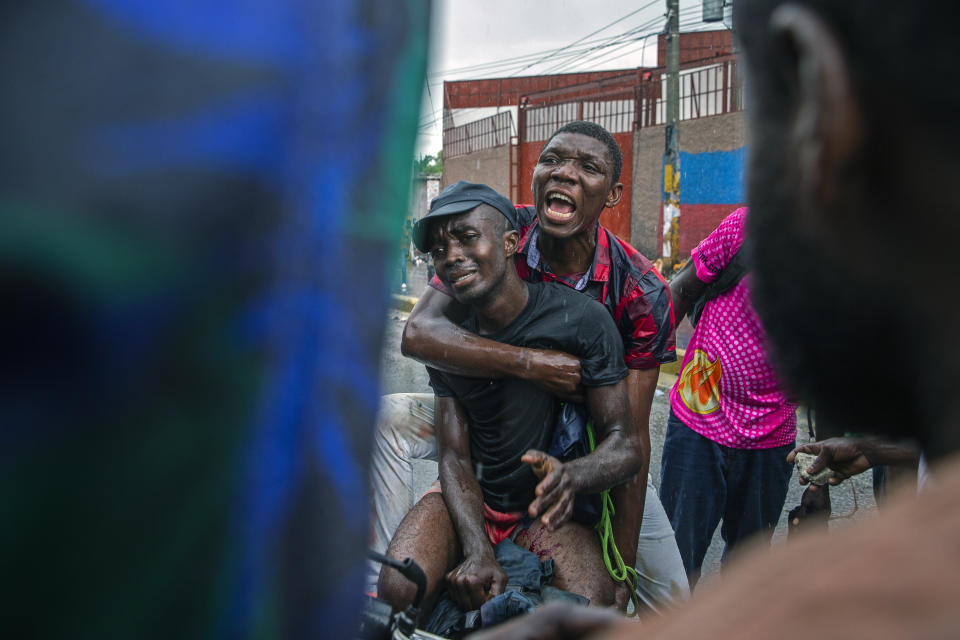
[[671, 165]]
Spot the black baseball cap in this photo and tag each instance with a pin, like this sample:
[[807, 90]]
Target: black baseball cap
[[460, 198]]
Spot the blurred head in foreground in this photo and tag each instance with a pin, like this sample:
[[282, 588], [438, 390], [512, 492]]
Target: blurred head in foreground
[[854, 210]]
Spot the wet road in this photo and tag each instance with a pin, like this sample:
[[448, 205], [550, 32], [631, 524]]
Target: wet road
[[399, 374]]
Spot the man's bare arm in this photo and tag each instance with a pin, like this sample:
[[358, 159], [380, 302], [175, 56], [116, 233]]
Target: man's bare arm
[[629, 498], [431, 337], [617, 458], [849, 456], [479, 577], [685, 287]]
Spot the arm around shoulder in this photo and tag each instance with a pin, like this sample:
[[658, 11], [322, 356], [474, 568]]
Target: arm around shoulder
[[433, 337], [434, 312]]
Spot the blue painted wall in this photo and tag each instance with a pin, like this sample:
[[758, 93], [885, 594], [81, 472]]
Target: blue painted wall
[[715, 177]]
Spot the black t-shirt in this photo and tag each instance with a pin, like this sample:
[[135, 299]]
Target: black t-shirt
[[506, 417]]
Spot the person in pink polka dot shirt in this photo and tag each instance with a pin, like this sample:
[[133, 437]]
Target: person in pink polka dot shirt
[[730, 425]]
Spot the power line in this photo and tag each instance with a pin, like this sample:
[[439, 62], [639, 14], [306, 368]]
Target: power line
[[624, 39], [509, 62], [592, 52], [621, 41], [593, 33], [435, 115], [517, 61], [433, 108], [606, 59], [638, 44]]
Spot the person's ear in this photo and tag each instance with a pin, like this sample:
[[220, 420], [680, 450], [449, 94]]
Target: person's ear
[[825, 125], [614, 195], [511, 240]]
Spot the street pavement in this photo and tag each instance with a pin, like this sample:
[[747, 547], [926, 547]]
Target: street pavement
[[412, 282], [851, 501]]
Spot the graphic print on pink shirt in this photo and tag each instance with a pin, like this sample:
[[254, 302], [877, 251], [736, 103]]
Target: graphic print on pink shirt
[[727, 390]]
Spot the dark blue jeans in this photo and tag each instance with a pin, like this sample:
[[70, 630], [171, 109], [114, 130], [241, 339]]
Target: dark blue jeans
[[702, 483]]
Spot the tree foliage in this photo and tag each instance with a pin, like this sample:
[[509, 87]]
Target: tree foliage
[[429, 164]]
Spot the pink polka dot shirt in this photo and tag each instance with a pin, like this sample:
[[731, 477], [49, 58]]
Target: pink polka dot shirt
[[727, 390]]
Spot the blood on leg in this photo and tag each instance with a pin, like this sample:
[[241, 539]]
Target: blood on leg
[[577, 561]]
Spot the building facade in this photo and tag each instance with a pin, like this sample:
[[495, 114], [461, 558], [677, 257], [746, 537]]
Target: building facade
[[501, 148]]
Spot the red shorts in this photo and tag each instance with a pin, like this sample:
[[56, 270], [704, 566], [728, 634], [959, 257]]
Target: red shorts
[[498, 525]]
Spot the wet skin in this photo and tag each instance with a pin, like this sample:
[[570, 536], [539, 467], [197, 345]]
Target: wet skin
[[466, 254], [473, 258], [572, 184], [579, 168]]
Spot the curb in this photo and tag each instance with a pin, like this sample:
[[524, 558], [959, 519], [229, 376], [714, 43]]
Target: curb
[[673, 368], [666, 381], [402, 303]]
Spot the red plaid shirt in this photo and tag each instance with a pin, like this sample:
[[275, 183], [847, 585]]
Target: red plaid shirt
[[622, 280]]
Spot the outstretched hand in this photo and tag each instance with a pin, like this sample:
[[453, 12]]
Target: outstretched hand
[[555, 492], [556, 372], [844, 456], [476, 580]]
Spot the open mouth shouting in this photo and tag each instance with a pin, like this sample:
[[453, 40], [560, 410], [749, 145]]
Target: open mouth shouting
[[559, 207]]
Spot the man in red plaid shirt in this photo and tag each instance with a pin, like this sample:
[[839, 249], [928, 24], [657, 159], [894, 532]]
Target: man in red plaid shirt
[[576, 178]]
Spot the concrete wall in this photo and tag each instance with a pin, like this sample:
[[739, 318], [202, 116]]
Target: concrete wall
[[425, 189], [490, 166], [711, 180], [647, 189]]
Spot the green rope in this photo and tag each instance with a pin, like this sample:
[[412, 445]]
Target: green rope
[[611, 554]]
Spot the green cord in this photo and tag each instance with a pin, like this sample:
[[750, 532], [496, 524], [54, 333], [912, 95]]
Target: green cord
[[611, 554]]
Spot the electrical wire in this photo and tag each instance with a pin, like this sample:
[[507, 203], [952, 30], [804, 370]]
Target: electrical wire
[[606, 57], [592, 33], [627, 37], [510, 63], [592, 53]]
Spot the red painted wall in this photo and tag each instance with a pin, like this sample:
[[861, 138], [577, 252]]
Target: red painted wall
[[529, 152], [617, 219], [697, 45], [697, 221], [506, 92]]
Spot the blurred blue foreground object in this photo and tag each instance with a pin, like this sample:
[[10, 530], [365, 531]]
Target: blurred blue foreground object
[[197, 202]]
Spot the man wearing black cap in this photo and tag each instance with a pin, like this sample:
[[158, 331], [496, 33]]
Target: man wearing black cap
[[576, 178], [492, 434]]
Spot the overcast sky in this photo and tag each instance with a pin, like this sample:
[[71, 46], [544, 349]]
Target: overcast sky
[[495, 33]]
